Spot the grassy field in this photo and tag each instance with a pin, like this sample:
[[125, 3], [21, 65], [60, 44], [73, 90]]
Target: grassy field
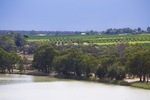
[[92, 39]]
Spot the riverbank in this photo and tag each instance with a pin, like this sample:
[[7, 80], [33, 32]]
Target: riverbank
[[141, 85], [136, 83], [126, 82]]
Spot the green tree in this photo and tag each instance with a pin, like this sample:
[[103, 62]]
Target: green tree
[[8, 60], [61, 65], [146, 64], [7, 43], [19, 40], [102, 71], [12, 59], [70, 63], [116, 71], [90, 64], [3, 59], [136, 64], [43, 58], [74, 58]]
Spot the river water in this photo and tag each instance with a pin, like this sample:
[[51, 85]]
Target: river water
[[24, 87]]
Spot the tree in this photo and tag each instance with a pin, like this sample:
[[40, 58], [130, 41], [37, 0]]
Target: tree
[[8, 60], [32, 47], [116, 71], [90, 64], [103, 69], [75, 62], [101, 72], [109, 31], [3, 59], [7, 43], [148, 29], [59, 64], [138, 64], [19, 40], [139, 30], [120, 53], [146, 64], [74, 58], [21, 65], [43, 58], [12, 59]]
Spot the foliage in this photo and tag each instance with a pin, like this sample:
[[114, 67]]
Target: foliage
[[43, 58], [138, 63], [7, 43], [106, 56], [8, 60], [116, 71], [76, 62], [19, 40]]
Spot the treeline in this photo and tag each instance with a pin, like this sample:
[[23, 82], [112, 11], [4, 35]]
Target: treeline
[[10, 45], [12, 42], [109, 31], [17, 42], [105, 62]]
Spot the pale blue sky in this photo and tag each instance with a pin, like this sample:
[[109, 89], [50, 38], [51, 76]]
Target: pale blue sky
[[73, 15]]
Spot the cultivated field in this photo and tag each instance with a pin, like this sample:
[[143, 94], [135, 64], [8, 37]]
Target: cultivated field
[[92, 39]]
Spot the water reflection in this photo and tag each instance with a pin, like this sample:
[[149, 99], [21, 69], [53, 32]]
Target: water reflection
[[14, 79]]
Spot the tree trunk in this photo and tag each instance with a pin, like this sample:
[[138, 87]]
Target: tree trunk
[[9, 71], [48, 69], [140, 78], [144, 78], [147, 78]]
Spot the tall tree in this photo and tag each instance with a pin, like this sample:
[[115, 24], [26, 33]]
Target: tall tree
[[90, 64], [3, 59], [8, 60], [136, 64], [43, 58], [12, 59], [75, 58]]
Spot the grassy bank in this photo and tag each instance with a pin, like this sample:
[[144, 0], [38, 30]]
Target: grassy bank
[[141, 85], [115, 82]]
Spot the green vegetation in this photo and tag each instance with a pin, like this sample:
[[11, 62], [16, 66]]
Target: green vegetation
[[141, 85], [106, 58], [8, 60], [115, 82], [143, 39]]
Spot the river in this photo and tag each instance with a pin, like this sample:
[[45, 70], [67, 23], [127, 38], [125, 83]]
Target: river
[[25, 87]]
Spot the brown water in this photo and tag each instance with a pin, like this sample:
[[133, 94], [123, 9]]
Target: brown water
[[24, 87]]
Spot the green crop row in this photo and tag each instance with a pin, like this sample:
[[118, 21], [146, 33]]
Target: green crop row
[[94, 39]]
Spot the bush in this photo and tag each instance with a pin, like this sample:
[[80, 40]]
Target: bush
[[123, 83]]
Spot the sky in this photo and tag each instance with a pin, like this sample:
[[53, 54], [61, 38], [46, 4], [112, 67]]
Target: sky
[[73, 15]]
